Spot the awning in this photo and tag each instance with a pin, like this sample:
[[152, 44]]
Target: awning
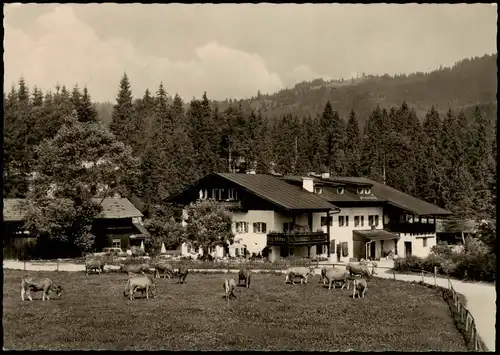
[[376, 234]]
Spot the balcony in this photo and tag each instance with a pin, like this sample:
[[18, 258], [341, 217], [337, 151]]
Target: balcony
[[411, 228], [296, 238], [231, 205]]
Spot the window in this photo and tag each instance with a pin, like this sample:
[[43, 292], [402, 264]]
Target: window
[[323, 221], [318, 190], [424, 242], [237, 251], [117, 243], [241, 227], [370, 221], [340, 190], [217, 194], [360, 191], [356, 221], [341, 221], [287, 226], [376, 220], [367, 191], [347, 221], [362, 221], [345, 249], [232, 194], [259, 227]]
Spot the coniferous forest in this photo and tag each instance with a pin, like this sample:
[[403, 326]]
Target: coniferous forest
[[447, 157]]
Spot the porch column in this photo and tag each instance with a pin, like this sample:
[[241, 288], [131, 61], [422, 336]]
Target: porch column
[[395, 247], [328, 231], [310, 221]]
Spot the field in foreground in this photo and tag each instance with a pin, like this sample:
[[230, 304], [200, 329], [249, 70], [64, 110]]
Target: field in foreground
[[93, 314]]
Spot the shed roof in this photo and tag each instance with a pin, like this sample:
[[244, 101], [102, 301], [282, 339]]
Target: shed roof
[[111, 208], [279, 192]]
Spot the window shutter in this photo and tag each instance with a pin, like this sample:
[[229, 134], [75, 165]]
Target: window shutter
[[347, 221], [345, 250], [332, 246], [255, 227], [246, 227], [264, 228]]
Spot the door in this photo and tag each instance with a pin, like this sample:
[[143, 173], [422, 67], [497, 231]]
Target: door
[[407, 248], [372, 250]]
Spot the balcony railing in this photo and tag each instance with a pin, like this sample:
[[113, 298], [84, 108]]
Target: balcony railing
[[231, 205], [276, 238], [413, 228]]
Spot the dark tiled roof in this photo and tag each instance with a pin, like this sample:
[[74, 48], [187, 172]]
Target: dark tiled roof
[[112, 208], [278, 192], [398, 198], [377, 234]]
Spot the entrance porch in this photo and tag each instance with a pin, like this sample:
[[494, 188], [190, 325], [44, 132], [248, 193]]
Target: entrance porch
[[374, 244]]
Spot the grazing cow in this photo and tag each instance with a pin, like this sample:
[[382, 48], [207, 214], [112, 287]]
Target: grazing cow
[[135, 268], [182, 274], [358, 270], [164, 268], [141, 283], [94, 264], [245, 276], [229, 285], [301, 271], [45, 285], [360, 287], [363, 262], [337, 275]]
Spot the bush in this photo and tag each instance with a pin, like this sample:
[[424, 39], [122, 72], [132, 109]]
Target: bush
[[409, 263]]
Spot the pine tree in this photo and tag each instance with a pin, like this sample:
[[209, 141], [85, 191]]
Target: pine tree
[[85, 109], [123, 112], [431, 173], [353, 146], [372, 154], [333, 129]]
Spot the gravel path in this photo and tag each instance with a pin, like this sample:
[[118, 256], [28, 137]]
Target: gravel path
[[481, 297]]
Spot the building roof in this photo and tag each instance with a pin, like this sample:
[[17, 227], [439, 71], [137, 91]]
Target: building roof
[[111, 208], [279, 192], [398, 198], [12, 209], [377, 234], [118, 208]]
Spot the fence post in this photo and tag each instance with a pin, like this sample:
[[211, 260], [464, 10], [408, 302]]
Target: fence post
[[57, 264], [422, 273], [435, 272], [394, 274], [24, 264]]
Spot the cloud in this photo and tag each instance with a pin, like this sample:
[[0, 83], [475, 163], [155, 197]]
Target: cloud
[[68, 51]]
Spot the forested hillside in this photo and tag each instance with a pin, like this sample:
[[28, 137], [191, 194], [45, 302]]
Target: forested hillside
[[469, 82]]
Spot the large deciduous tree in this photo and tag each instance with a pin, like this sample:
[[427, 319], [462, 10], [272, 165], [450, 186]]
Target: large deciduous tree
[[75, 170], [208, 224]]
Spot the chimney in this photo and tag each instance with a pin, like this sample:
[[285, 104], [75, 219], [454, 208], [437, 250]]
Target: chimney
[[325, 175], [308, 184]]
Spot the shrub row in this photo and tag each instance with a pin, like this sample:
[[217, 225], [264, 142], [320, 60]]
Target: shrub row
[[477, 267]]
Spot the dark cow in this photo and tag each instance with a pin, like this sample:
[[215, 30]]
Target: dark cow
[[300, 271], [142, 283], [164, 268], [182, 274], [245, 276], [94, 264], [45, 285], [229, 285], [360, 287]]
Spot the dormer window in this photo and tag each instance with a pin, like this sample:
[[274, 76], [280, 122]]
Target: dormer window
[[360, 190], [340, 190], [318, 190], [367, 191]]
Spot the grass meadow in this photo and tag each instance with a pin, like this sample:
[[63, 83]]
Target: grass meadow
[[93, 314]]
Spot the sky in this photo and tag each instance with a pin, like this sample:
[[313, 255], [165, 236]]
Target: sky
[[233, 50]]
